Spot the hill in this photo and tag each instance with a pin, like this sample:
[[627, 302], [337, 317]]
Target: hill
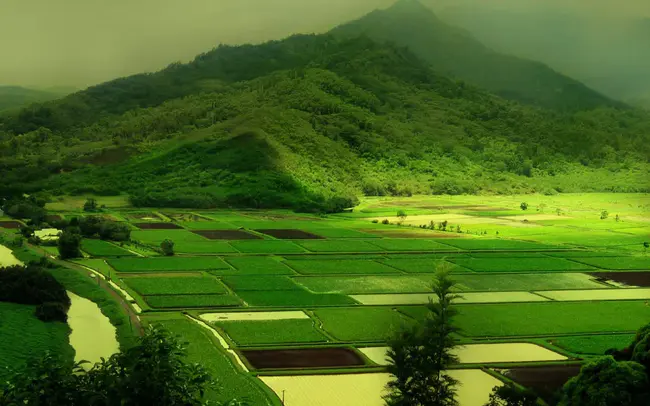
[[309, 123], [610, 55], [12, 97], [455, 52]]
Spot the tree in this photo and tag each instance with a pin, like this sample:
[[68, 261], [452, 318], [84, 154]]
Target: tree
[[606, 381], [401, 215], [419, 356], [646, 245], [618, 218], [153, 372], [90, 205], [511, 395], [167, 247], [604, 214], [524, 206], [69, 244], [541, 207]]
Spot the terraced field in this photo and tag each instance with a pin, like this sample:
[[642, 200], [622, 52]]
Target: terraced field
[[263, 297]]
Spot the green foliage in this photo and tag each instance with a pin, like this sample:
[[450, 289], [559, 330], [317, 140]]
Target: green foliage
[[261, 332], [167, 247], [524, 206], [52, 311], [69, 244], [606, 381], [154, 372], [418, 357], [511, 395], [32, 285], [90, 204], [604, 214]]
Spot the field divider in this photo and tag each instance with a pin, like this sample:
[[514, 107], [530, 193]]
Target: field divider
[[222, 341]]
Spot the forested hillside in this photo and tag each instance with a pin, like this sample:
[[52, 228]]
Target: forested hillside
[[309, 123], [455, 52], [12, 97]]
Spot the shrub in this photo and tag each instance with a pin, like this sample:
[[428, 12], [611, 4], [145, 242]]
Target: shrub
[[385, 221], [375, 221], [31, 285], [167, 247], [52, 311]]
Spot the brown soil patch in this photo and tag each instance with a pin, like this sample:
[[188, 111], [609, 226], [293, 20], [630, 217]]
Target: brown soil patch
[[411, 234], [157, 226], [143, 216], [290, 234], [305, 358], [544, 380], [641, 279], [227, 235], [10, 224]]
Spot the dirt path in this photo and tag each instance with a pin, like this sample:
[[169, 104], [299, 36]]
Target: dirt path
[[135, 321]]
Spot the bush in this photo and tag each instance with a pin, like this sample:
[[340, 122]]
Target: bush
[[385, 221], [31, 285], [375, 221], [52, 311], [69, 244], [167, 247]]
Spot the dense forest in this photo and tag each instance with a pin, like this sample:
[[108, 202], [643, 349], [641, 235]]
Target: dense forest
[[311, 122]]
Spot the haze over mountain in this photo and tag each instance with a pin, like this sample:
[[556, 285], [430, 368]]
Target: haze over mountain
[[12, 97], [311, 121], [608, 51]]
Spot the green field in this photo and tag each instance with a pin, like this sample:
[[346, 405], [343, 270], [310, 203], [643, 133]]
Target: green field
[[618, 263], [99, 265], [204, 247], [339, 246], [293, 298], [167, 264], [155, 237], [593, 344], [99, 248], [520, 264], [336, 232], [364, 284], [203, 348], [487, 244], [363, 323], [405, 244], [256, 283], [189, 301], [262, 332], [259, 266], [526, 282], [175, 285], [24, 337], [422, 265], [266, 247], [207, 225], [339, 266]]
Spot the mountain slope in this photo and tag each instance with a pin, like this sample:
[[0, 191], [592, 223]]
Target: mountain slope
[[12, 97], [316, 121], [453, 51]]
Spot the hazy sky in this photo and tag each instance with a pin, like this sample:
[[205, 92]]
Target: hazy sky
[[83, 42]]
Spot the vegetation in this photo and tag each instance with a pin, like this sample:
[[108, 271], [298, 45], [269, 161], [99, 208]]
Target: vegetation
[[69, 244], [100, 248], [167, 247], [188, 301], [511, 395], [418, 357], [166, 264], [260, 332], [154, 372], [175, 285], [294, 298]]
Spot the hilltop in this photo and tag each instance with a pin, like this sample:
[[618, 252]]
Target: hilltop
[[309, 123], [13, 97]]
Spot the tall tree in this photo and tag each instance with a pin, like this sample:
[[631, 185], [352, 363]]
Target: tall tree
[[419, 356]]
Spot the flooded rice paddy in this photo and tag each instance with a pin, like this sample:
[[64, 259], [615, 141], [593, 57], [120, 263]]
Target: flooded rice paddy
[[7, 257], [93, 335]]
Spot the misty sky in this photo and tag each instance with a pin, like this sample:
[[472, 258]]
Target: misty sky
[[83, 42]]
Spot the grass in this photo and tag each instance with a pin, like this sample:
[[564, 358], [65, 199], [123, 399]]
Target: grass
[[339, 246], [520, 264], [259, 266], [266, 247], [484, 244], [405, 244], [593, 344], [97, 264], [339, 266], [256, 283], [618, 263], [422, 265], [203, 349], [176, 285], [167, 264], [24, 337], [99, 248], [181, 301], [262, 332], [337, 232], [155, 237], [293, 298], [548, 318], [362, 323], [581, 254], [525, 282], [364, 284], [203, 247]]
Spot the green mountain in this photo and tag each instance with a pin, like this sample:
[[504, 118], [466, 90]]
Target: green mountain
[[12, 97], [455, 52], [309, 123]]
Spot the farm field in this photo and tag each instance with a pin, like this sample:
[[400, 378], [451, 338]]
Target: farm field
[[536, 288]]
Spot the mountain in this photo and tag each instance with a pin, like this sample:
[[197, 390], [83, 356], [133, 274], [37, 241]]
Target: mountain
[[455, 52], [309, 123], [12, 97], [610, 55]]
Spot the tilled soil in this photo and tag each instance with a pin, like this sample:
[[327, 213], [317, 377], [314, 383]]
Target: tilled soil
[[10, 224], [290, 234], [641, 279], [303, 358], [227, 235], [157, 226], [544, 380]]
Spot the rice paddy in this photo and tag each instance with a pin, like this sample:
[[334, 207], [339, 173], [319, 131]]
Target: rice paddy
[[281, 289]]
